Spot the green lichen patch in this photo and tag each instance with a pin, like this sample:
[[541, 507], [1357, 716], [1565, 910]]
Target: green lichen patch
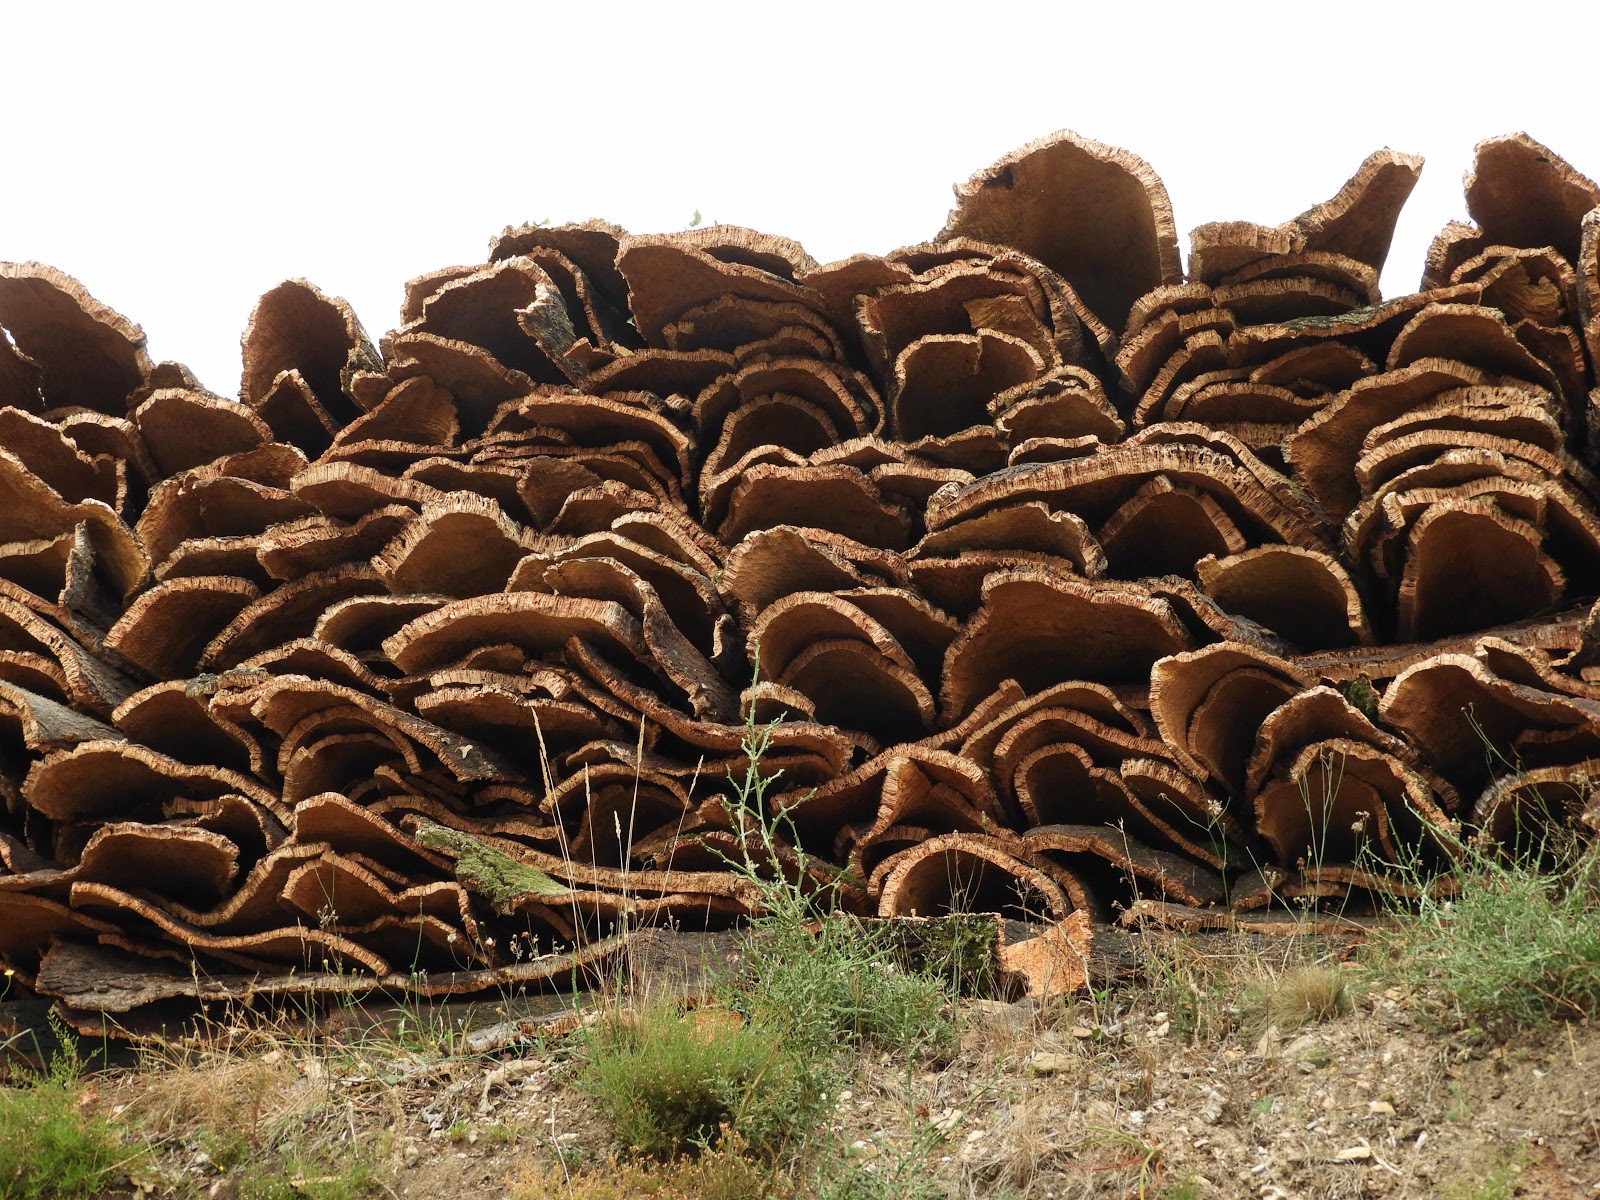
[[487, 872]]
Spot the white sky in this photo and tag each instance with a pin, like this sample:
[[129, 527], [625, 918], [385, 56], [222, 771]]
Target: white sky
[[181, 159]]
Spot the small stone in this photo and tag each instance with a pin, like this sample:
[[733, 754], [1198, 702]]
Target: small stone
[[223, 1189], [1353, 1154], [947, 1121], [995, 1007], [1046, 1063], [410, 1154], [1382, 1107]]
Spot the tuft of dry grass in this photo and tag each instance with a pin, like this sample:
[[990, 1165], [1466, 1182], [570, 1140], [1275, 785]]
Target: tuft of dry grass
[[1026, 1135], [222, 1095], [1300, 996]]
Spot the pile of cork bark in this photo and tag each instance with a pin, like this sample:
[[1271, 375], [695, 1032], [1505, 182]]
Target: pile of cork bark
[[1054, 580]]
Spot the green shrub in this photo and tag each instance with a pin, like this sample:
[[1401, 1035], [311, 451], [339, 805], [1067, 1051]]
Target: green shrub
[[307, 1180], [827, 980], [1515, 945], [50, 1147], [834, 985], [671, 1082]]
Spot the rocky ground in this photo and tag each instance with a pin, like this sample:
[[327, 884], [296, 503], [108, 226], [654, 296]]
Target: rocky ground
[[1210, 1077]]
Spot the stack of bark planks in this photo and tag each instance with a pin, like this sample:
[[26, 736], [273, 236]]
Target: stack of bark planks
[[1078, 585]]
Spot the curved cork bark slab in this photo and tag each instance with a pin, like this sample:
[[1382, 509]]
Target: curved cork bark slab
[[589, 245], [31, 510], [185, 429], [165, 631], [486, 310], [605, 579], [963, 872], [232, 556], [685, 589], [416, 411], [1167, 875], [1468, 334], [463, 546], [1325, 451], [85, 354], [287, 612], [601, 421], [1097, 216], [1164, 528], [1255, 498], [19, 380], [1068, 403], [1470, 566], [1305, 596], [945, 383], [297, 328], [46, 450], [669, 274], [1039, 628], [86, 681], [1460, 714], [1181, 686], [186, 508], [177, 720], [732, 324], [770, 564], [670, 374], [1522, 193], [317, 543], [787, 627], [839, 499], [785, 422], [931, 791], [187, 864], [849, 404], [857, 688], [1357, 223], [1337, 796], [108, 780], [1030, 526]]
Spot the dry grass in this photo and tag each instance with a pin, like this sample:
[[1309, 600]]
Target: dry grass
[[1296, 997], [1026, 1134], [723, 1173], [1215, 985], [239, 1096]]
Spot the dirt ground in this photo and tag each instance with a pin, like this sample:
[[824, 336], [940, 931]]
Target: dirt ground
[[1139, 1090]]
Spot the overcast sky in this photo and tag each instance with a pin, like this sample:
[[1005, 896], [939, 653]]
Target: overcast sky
[[181, 159]]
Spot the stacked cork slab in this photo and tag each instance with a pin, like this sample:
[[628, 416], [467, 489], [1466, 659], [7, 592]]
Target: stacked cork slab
[[1077, 585]]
